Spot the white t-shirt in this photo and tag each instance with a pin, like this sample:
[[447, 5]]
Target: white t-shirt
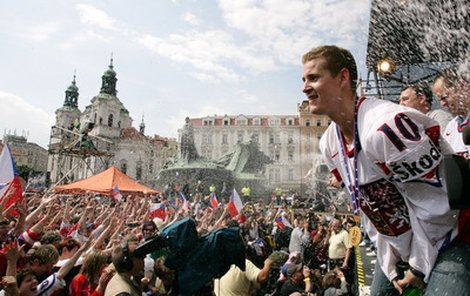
[[402, 192], [453, 135]]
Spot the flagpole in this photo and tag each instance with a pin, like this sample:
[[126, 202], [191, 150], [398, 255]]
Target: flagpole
[[61, 179]]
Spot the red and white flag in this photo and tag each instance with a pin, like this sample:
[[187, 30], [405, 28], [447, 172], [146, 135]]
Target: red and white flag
[[214, 202], [117, 194], [235, 205], [282, 222], [8, 174], [157, 210]]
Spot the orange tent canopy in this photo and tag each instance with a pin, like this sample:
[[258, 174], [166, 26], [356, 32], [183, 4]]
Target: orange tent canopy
[[105, 182]]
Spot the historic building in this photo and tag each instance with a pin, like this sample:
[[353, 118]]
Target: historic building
[[85, 143], [26, 153], [291, 141]]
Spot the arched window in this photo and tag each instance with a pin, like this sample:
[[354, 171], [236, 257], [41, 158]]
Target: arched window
[[110, 120], [94, 118], [138, 171], [123, 166]]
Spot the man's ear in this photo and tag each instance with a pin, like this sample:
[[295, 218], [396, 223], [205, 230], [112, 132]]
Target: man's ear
[[344, 75]]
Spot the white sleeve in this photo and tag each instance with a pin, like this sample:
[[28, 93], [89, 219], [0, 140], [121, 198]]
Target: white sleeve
[[50, 285]]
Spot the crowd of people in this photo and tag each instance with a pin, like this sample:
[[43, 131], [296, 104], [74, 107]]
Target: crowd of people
[[86, 245]]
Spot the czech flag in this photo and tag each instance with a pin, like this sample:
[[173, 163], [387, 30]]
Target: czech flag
[[183, 199], [282, 222], [117, 194], [235, 205], [214, 202], [8, 174], [157, 210]]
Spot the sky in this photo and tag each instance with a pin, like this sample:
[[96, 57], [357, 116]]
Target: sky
[[173, 58]]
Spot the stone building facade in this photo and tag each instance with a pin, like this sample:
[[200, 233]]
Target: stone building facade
[[26, 153], [85, 143], [291, 141]]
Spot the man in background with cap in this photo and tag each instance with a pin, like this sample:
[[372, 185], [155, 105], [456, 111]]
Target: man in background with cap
[[298, 280]]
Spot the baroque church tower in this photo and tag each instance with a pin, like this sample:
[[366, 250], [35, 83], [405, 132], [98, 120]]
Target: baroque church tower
[[85, 143]]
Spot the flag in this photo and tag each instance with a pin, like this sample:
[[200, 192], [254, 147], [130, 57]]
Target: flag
[[116, 194], [8, 174], [235, 204], [282, 222], [157, 210], [214, 202], [183, 199], [172, 203]]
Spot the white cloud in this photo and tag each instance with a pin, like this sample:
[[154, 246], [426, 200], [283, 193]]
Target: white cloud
[[82, 38], [40, 32], [288, 28], [34, 120], [191, 19], [92, 16], [246, 97]]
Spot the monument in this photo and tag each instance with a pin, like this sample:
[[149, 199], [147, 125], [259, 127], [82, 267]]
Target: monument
[[243, 167]]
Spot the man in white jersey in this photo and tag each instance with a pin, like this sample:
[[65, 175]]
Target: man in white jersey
[[387, 158], [452, 90], [419, 96]]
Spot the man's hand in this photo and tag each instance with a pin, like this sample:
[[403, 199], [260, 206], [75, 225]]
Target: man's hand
[[410, 280]]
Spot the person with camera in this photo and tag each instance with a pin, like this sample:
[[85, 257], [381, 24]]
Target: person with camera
[[129, 271]]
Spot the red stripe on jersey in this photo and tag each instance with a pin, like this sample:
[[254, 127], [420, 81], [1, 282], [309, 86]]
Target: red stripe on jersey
[[384, 168], [337, 175], [434, 133]]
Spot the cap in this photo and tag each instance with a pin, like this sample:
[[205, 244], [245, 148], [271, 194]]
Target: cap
[[293, 268]]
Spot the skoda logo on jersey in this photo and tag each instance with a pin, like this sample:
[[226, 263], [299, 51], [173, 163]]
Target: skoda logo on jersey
[[415, 163]]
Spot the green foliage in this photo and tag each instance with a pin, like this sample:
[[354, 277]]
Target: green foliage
[[24, 171]]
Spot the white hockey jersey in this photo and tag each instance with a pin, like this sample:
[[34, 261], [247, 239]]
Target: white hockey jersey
[[453, 135], [401, 189]]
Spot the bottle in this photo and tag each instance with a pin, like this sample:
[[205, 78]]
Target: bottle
[[412, 292]]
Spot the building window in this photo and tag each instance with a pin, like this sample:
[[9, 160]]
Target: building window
[[226, 122], [307, 123], [290, 139], [152, 153], [277, 174], [256, 121], [205, 139], [277, 155], [255, 137], [209, 139], [138, 171], [208, 122], [241, 121], [110, 120], [240, 137], [290, 121], [318, 122], [94, 118], [271, 138], [119, 124], [291, 175], [124, 166], [274, 121], [290, 155], [101, 120], [224, 139], [150, 168]]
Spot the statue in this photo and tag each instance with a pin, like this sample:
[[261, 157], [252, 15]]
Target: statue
[[188, 149]]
